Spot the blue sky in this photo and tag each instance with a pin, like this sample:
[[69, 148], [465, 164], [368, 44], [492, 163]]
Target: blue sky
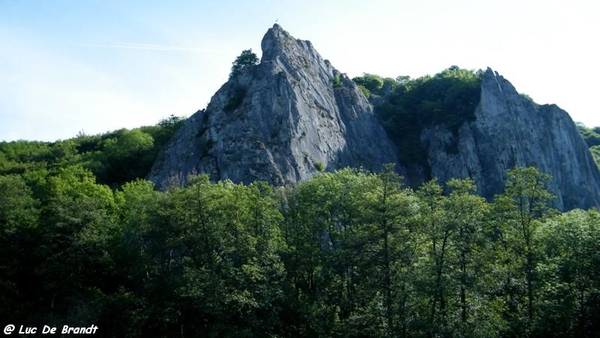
[[94, 66]]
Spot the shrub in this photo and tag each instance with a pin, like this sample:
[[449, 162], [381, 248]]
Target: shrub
[[319, 165], [337, 83], [246, 60]]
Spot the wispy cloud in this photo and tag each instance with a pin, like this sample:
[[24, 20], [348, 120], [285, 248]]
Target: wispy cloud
[[147, 46]]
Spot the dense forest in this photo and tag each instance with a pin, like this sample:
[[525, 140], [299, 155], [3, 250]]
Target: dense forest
[[345, 254], [84, 239]]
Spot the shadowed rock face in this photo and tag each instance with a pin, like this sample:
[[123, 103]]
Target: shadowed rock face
[[280, 121], [510, 130]]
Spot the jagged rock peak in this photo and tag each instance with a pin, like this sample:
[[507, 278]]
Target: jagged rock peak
[[511, 130], [293, 55], [497, 83], [278, 43], [280, 121], [274, 42]]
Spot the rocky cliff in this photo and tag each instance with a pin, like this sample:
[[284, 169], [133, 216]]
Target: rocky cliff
[[280, 121], [293, 115], [511, 130]]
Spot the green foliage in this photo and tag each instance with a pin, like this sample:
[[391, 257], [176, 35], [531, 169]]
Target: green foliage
[[114, 158], [372, 83], [19, 217], [320, 165], [448, 98], [364, 90], [337, 83], [569, 306], [162, 132], [126, 155], [347, 254], [18, 208], [522, 208], [595, 150], [245, 60], [19, 156], [591, 136], [592, 139]]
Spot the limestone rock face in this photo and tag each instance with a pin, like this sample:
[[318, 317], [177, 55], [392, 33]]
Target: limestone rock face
[[292, 115], [280, 121], [511, 130]]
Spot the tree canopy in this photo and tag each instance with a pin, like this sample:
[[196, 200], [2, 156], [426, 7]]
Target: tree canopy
[[114, 158], [591, 136], [348, 253], [409, 105], [245, 60]]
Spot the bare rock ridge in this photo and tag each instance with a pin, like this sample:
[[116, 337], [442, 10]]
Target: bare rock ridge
[[280, 121], [511, 130]]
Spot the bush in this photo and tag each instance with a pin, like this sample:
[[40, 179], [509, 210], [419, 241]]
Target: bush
[[373, 83], [337, 83], [246, 60], [364, 90], [320, 166]]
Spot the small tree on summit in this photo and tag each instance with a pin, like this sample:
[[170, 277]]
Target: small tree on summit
[[245, 60]]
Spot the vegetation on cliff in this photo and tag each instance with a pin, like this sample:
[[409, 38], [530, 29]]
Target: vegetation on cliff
[[406, 106], [592, 139]]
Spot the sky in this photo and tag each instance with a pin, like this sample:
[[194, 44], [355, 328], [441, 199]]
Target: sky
[[69, 67]]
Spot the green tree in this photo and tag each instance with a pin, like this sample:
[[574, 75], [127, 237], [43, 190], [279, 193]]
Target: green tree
[[437, 235], [569, 294], [326, 224], [524, 204], [163, 130], [369, 83], [19, 213], [125, 156], [79, 236], [590, 136], [391, 213], [245, 60], [211, 262], [468, 215], [310, 210]]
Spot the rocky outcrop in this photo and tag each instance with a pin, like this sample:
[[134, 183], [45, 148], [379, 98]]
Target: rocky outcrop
[[280, 121], [294, 115], [511, 130]]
